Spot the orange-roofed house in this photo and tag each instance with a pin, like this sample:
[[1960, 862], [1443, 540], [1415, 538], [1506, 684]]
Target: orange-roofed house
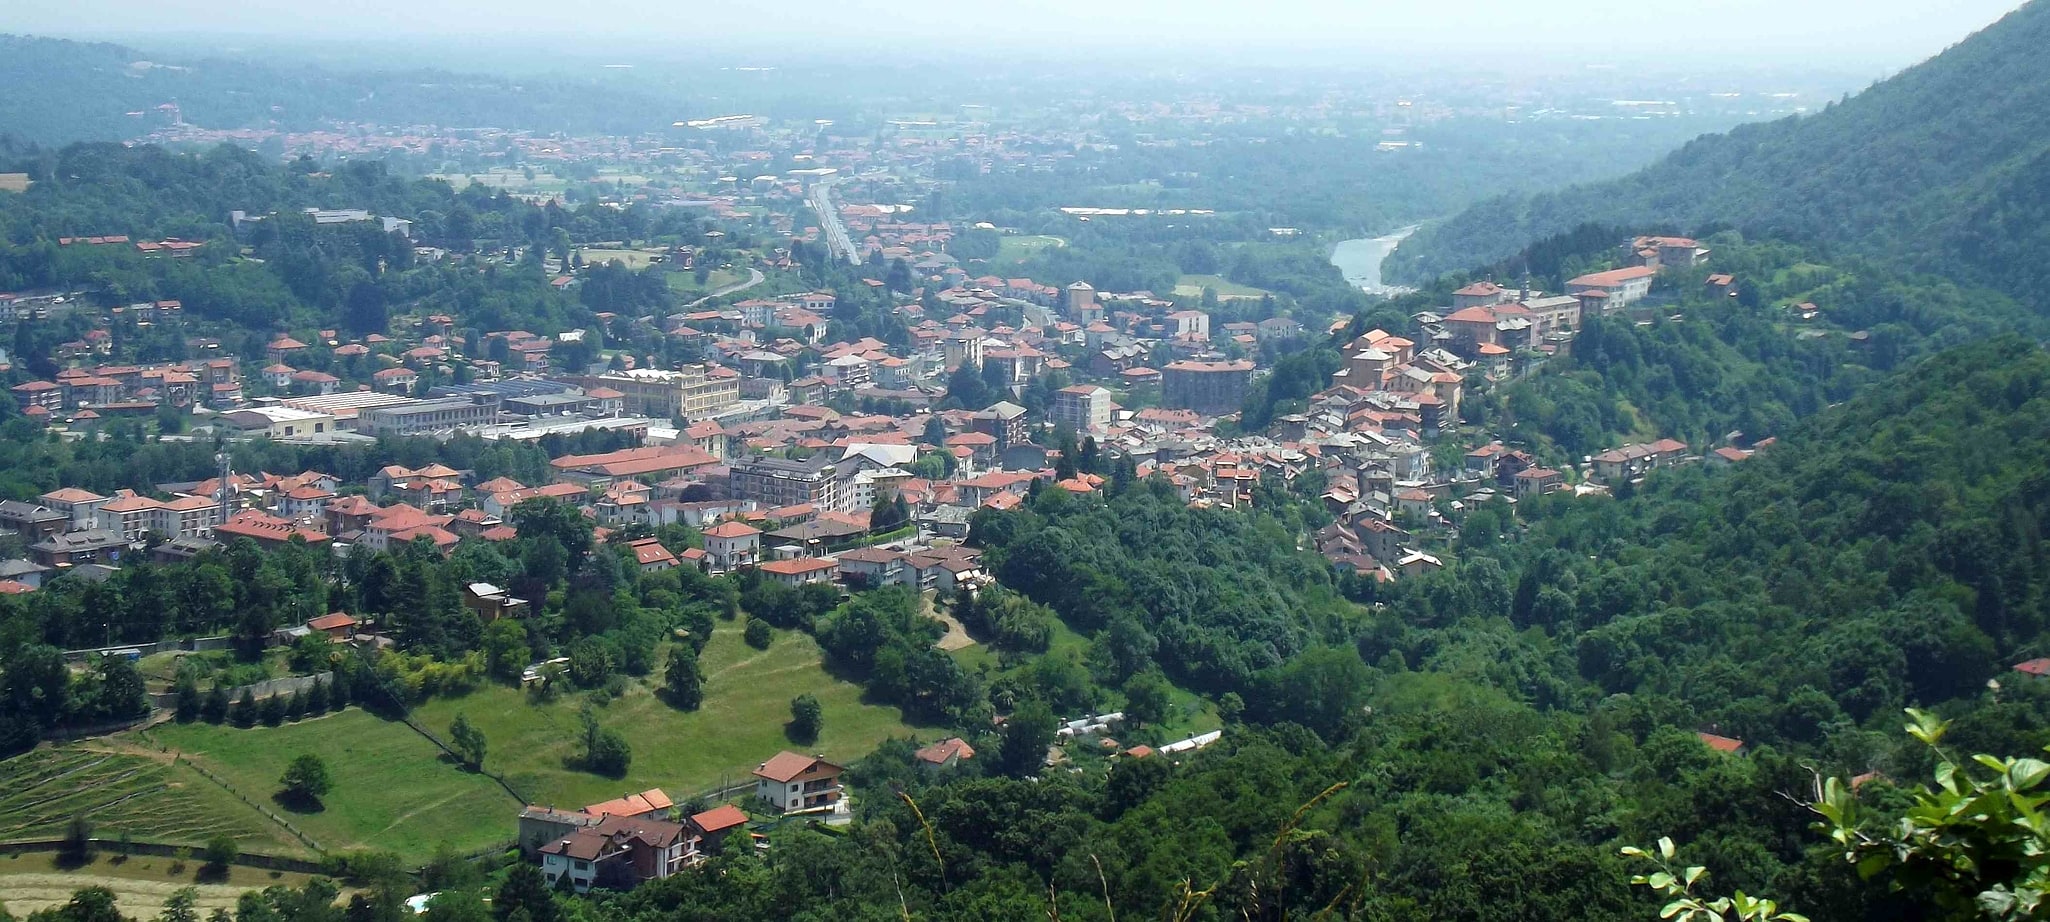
[[267, 531], [651, 804], [946, 753], [795, 782], [1722, 744], [731, 545], [711, 828], [1479, 294], [338, 625], [794, 573], [651, 556]]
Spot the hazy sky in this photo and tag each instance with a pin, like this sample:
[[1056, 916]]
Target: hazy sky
[[1861, 33]]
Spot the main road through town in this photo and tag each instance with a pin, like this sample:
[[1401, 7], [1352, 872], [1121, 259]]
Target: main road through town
[[837, 240]]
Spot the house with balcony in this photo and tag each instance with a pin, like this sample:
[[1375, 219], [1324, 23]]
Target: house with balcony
[[800, 571], [731, 545], [794, 783], [616, 853]]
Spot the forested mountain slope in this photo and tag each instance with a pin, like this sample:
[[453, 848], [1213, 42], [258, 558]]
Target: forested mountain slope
[[1526, 711], [1943, 165], [1888, 552], [54, 91]]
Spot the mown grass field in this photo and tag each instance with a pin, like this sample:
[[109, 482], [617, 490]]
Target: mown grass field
[[747, 702], [686, 283], [632, 259], [393, 789], [1191, 286], [1015, 249], [32, 881], [137, 793]]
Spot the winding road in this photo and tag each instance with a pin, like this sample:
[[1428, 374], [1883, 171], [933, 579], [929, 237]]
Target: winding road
[[754, 277]]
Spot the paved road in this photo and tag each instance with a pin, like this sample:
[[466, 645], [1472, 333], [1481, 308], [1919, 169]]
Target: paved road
[[754, 277], [837, 239]]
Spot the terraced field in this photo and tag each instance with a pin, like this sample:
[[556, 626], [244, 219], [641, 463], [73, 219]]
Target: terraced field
[[393, 790], [127, 791]]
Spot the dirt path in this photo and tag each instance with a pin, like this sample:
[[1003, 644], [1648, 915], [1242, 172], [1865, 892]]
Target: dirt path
[[956, 637]]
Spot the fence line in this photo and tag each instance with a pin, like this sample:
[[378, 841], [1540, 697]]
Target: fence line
[[179, 758], [166, 850], [188, 645], [407, 719]]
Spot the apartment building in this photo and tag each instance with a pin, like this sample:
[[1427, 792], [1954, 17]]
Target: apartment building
[[1206, 387], [425, 416], [692, 392], [775, 482], [1083, 408]]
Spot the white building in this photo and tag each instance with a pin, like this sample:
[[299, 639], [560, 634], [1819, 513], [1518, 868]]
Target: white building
[[1084, 408], [281, 423]]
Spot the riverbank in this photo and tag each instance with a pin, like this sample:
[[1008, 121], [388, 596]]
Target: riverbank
[[1359, 260]]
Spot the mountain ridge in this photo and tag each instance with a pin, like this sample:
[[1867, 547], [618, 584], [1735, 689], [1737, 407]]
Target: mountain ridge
[[1924, 166]]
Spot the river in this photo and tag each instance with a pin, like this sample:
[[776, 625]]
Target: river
[[1360, 260]]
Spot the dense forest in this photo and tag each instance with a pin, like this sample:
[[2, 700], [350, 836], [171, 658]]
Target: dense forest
[[1693, 362], [1704, 363], [1939, 167]]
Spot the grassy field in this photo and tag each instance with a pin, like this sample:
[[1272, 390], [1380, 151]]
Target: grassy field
[[1015, 249], [1191, 286], [507, 179], [138, 793], [392, 788], [686, 283], [634, 259], [32, 881], [747, 701]]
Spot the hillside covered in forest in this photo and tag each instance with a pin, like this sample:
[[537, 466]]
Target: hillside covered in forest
[[1482, 742], [1941, 166]]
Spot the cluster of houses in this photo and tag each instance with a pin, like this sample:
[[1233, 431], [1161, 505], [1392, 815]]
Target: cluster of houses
[[647, 836], [623, 842]]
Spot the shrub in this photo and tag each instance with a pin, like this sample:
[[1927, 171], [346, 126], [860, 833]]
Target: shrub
[[806, 719]]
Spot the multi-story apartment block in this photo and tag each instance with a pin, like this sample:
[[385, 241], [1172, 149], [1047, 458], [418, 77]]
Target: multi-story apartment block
[[1206, 387], [1083, 408], [692, 392], [429, 415], [774, 482]]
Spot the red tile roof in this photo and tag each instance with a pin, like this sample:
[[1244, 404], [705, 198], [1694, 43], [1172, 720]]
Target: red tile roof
[[731, 530], [787, 766], [724, 816], [1721, 743], [333, 620]]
